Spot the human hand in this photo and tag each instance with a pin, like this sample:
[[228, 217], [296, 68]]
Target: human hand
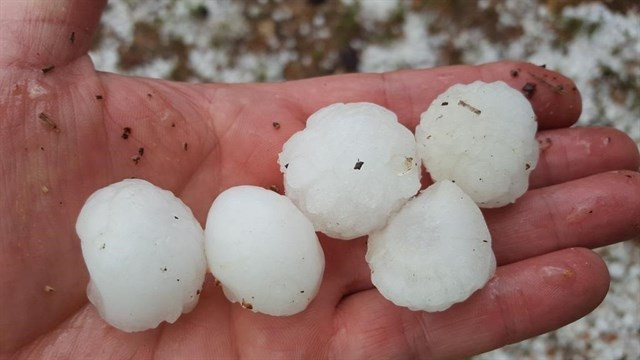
[[50, 164]]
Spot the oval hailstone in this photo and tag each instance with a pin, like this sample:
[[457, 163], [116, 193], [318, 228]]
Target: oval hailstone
[[263, 250], [434, 252], [350, 168], [145, 254], [482, 136]]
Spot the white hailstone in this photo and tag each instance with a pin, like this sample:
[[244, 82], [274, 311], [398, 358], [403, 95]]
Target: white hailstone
[[482, 136], [434, 252], [263, 250], [350, 168], [145, 254]]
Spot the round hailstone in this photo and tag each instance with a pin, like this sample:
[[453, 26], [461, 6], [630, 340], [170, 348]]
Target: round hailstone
[[350, 168], [145, 254], [263, 251], [482, 136], [436, 251]]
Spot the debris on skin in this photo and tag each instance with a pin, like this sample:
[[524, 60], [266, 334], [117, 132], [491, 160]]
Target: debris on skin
[[49, 289], [44, 189], [72, 37], [246, 305], [47, 69], [149, 95], [514, 73], [274, 188], [185, 146], [579, 214], [276, 125], [136, 159], [46, 120], [557, 88], [141, 151], [99, 97], [216, 282], [126, 132], [544, 144], [529, 89], [471, 108]]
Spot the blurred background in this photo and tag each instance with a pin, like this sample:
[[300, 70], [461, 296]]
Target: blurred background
[[596, 43]]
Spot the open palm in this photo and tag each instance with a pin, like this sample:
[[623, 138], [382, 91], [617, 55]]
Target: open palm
[[63, 135]]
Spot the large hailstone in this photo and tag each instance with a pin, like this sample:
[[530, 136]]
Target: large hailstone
[[263, 250], [145, 254], [436, 251], [482, 136], [350, 168]]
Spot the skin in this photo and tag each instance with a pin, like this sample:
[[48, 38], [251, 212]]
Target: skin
[[584, 194]]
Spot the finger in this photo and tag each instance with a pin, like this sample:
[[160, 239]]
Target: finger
[[522, 300], [555, 100], [569, 154], [40, 34], [591, 212]]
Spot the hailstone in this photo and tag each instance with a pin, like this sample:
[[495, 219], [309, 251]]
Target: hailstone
[[482, 137], [350, 168], [145, 254], [434, 252], [263, 251]]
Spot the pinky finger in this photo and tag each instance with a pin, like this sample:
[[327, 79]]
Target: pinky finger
[[523, 300]]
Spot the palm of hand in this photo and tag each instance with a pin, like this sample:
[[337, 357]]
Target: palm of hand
[[200, 139]]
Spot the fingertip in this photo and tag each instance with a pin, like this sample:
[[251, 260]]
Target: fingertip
[[595, 280], [625, 145], [554, 97]]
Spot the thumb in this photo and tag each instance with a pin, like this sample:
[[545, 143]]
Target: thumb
[[44, 33]]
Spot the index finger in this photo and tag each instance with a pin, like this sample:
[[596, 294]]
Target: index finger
[[554, 97]]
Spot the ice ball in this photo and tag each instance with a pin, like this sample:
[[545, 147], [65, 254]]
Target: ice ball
[[436, 251], [145, 254], [350, 168], [263, 250], [482, 136]]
